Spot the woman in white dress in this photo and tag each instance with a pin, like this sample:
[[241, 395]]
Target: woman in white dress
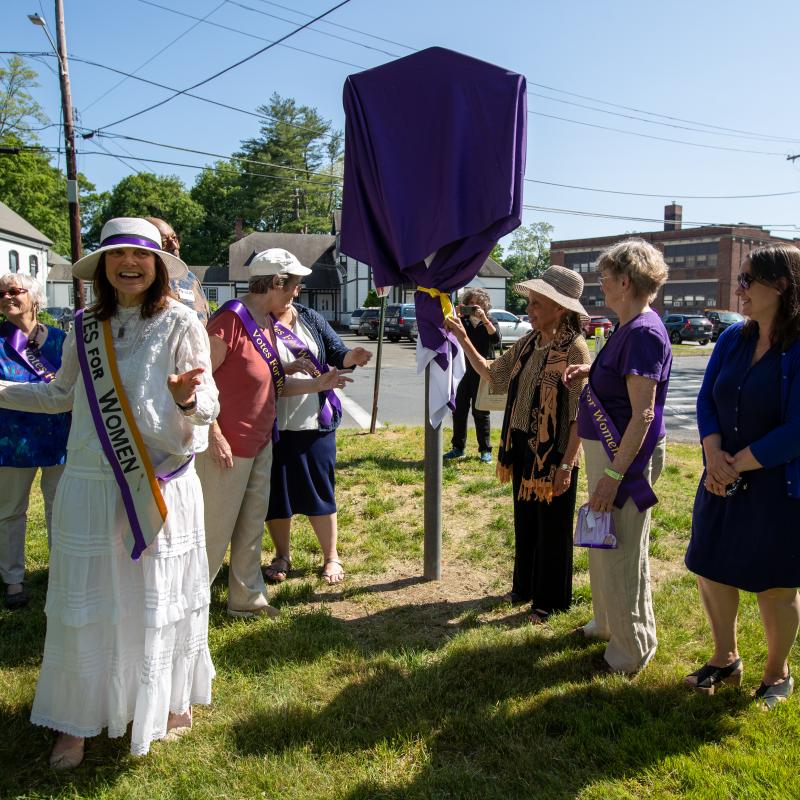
[[127, 640]]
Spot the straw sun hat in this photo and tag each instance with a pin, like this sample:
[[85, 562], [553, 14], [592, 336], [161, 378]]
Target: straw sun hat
[[559, 284], [128, 232]]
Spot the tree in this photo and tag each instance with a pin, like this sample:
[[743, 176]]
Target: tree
[[18, 109], [529, 258], [147, 195], [300, 189]]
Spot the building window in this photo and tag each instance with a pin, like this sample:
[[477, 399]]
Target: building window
[[711, 302], [688, 300], [598, 301], [212, 293], [689, 261], [679, 261], [33, 264], [88, 294], [712, 260], [667, 299], [678, 301], [13, 261], [701, 259]]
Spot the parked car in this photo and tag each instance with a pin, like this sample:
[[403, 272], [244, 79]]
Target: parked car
[[597, 322], [368, 325], [399, 320], [721, 320], [689, 328], [511, 326], [355, 319]]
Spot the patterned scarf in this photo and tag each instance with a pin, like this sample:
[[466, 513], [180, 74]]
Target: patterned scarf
[[541, 459]]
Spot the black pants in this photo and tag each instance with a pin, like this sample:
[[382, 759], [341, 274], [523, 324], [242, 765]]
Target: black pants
[[542, 541], [465, 396]]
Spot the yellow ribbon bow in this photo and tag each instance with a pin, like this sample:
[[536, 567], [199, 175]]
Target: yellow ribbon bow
[[444, 299]]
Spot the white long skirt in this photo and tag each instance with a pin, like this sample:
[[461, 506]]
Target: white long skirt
[[126, 640]]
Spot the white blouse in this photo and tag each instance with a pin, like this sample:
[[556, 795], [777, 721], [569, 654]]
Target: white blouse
[[148, 350], [301, 412]]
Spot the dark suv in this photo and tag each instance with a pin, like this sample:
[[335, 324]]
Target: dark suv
[[721, 320], [688, 327], [400, 319], [368, 324]]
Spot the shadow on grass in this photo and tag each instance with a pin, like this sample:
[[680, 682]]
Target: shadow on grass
[[22, 631], [516, 719], [383, 462]]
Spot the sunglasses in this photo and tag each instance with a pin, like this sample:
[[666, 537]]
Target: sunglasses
[[745, 280], [12, 292]]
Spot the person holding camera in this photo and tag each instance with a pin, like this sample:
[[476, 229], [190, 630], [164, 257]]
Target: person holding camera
[[744, 525], [484, 334]]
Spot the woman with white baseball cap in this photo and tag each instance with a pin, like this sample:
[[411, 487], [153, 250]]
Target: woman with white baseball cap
[[235, 471], [127, 597]]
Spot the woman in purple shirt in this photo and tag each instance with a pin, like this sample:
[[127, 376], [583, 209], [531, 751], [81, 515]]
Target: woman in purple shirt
[[745, 521], [620, 422]]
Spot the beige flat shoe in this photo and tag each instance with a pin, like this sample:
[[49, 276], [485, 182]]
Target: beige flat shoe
[[67, 752], [263, 611]]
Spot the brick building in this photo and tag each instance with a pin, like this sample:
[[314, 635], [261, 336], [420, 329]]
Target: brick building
[[703, 262]]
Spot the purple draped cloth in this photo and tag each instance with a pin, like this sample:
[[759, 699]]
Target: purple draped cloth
[[434, 166]]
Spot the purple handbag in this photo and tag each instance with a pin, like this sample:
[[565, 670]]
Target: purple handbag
[[595, 529]]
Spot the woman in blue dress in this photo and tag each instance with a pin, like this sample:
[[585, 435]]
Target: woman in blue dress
[[745, 522], [29, 353]]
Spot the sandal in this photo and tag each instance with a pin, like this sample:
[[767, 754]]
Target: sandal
[[278, 569], [332, 578], [775, 693], [538, 617], [708, 676]]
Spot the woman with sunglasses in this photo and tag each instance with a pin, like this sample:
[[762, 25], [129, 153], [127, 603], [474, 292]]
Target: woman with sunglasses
[[744, 526], [29, 353]]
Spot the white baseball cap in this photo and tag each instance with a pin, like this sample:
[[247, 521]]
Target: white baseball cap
[[276, 261]]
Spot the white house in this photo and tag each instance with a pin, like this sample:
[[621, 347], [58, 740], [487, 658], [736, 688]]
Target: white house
[[23, 249]]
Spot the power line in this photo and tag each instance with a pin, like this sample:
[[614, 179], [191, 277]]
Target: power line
[[155, 55], [657, 138], [227, 69]]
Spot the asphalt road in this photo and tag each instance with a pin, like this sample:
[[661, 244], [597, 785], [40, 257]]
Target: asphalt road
[[401, 399]]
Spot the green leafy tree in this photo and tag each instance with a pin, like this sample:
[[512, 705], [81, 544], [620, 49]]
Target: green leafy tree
[[372, 300], [19, 112], [529, 257], [148, 195], [299, 192]]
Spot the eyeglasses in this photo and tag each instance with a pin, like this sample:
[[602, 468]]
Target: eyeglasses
[[12, 292], [745, 280]]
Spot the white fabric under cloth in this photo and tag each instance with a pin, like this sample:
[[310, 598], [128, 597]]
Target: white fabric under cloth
[[126, 641]]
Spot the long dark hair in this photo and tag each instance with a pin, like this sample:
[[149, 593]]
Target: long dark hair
[[155, 298], [768, 264]]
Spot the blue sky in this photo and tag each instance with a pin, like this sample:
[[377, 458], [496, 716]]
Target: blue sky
[[729, 64]]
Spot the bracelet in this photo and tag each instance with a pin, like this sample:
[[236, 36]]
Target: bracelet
[[189, 406], [566, 467], [612, 473]]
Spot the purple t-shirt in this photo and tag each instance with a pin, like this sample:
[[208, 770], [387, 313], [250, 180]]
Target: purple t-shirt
[[640, 347]]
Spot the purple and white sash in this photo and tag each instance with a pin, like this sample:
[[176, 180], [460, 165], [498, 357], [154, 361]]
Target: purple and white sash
[[119, 435], [299, 349], [634, 484], [31, 356]]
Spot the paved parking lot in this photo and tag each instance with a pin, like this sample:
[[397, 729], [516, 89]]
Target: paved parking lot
[[401, 399]]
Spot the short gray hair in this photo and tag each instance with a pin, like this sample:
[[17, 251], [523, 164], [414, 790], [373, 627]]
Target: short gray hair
[[261, 284], [24, 281], [480, 297]]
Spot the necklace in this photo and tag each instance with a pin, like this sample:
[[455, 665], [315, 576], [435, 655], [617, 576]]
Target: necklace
[[125, 316], [539, 347]]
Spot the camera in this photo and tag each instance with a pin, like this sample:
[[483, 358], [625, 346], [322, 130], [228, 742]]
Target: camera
[[466, 311]]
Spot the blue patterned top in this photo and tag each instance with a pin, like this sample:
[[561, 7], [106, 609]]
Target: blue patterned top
[[26, 439]]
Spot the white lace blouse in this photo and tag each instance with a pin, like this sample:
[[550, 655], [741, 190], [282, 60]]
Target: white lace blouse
[[147, 350]]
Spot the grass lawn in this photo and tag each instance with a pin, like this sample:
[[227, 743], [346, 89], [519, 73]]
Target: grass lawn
[[392, 687]]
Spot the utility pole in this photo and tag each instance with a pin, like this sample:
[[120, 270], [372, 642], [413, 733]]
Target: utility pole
[[69, 141]]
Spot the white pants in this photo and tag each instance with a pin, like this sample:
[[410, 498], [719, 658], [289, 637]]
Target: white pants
[[15, 490], [620, 578], [236, 502]]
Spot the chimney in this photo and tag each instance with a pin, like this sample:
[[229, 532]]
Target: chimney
[[673, 214], [237, 229]]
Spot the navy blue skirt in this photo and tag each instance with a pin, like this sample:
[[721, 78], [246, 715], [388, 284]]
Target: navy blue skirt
[[303, 474]]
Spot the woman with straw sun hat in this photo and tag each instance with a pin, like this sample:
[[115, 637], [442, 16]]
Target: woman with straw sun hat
[[127, 598]]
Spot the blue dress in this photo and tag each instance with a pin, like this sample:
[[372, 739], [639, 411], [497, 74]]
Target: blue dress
[[26, 439], [751, 540]]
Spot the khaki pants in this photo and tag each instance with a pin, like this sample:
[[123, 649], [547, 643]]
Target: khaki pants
[[620, 578], [15, 490], [236, 502]]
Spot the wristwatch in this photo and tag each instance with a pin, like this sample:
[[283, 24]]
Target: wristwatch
[[566, 467], [188, 407]]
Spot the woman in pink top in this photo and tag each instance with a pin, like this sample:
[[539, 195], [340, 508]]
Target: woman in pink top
[[235, 470]]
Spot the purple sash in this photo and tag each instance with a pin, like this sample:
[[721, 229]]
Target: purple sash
[[32, 358], [300, 350], [634, 484]]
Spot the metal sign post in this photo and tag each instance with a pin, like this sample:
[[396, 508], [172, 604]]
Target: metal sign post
[[382, 292], [432, 570]]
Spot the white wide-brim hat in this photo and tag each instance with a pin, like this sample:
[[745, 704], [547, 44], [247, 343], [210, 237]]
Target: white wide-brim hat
[[128, 232], [276, 261], [559, 284]]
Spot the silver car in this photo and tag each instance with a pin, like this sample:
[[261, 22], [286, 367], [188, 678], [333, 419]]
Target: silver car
[[355, 319], [511, 326]]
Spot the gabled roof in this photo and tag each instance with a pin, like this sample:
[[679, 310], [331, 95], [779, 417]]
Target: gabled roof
[[13, 223], [491, 269], [307, 247], [212, 274]]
